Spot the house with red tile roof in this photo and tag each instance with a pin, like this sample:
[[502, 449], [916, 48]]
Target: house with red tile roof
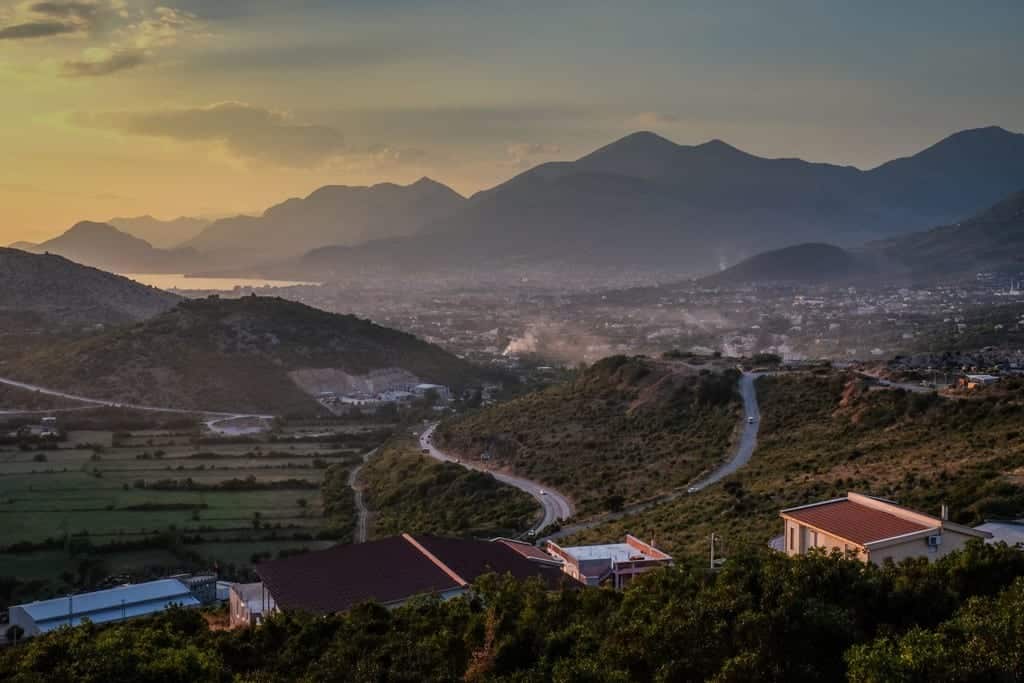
[[389, 571], [874, 529]]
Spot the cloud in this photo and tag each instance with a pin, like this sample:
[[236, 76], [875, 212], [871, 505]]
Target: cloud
[[526, 153], [163, 28], [82, 11], [48, 19], [245, 130], [397, 154], [120, 38], [107, 64], [35, 29], [653, 119]]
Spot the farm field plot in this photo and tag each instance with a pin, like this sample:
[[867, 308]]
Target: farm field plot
[[168, 500]]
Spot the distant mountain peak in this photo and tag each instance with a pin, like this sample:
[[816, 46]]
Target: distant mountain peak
[[91, 227], [428, 182], [646, 136]]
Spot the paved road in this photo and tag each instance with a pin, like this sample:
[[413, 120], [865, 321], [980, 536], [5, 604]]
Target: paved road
[[362, 513], [744, 451], [556, 505], [132, 406], [748, 439]]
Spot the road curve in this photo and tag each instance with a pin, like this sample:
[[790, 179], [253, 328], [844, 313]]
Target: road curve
[[744, 451], [556, 506]]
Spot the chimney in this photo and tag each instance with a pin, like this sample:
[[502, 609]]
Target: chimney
[[945, 513]]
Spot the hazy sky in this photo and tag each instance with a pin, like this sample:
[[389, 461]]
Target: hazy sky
[[123, 107]]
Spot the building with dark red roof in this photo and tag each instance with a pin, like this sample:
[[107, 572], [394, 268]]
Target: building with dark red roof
[[391, 571], [874, 529]]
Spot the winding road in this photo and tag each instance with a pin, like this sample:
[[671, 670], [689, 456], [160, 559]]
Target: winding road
[[217, 416], [744, 450], [556, 505]]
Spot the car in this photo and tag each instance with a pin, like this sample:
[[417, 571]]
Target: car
[[543, 492], [751, 420], [692, 489]]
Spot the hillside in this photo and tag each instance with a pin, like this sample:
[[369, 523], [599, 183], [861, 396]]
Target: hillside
[[60, 292], [407, 492], [992, 240], [623, 430], [333, 215], [161, 234], [103, 246], [231, 355], [824, 435], [803, 263], [644, 200]]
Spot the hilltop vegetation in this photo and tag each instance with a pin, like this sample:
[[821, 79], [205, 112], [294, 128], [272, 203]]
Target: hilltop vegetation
[[45, 291], [407, 492], [823, 435], [230, 355], [623, 430], [761, 618]]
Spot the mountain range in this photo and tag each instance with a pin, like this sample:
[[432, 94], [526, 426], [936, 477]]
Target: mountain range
[[640, 201], [161, 234], [645, 200], [990, 241], [103, 246], [56, 292], [332, 215]]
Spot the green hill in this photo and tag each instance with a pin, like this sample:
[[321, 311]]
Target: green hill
[[623, 430], [407, 492], [824, 435], [231, 355]]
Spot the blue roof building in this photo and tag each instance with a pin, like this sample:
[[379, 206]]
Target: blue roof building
[[114, 604]]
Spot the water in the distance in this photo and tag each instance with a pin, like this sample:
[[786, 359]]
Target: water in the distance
[[220, 284]]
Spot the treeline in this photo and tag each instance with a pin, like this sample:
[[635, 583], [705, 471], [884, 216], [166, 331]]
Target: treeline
[[760, 618], [250, 483]]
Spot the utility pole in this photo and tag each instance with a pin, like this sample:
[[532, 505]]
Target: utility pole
[[714, 537]]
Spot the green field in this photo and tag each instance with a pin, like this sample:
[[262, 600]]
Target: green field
[[149, 502]]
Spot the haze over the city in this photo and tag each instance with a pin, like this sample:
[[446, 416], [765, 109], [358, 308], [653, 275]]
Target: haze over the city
[[130, 107]]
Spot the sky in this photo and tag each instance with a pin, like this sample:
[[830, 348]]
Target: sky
[[198, 107]]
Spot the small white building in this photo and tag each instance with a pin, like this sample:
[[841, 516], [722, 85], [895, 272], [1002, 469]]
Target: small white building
[[443, 393], [100, 607], [615, 563]]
